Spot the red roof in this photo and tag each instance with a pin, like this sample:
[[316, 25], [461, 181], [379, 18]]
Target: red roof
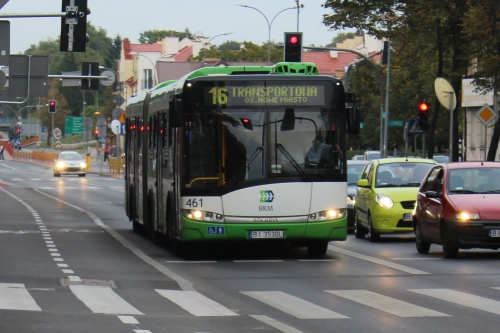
[[328, 65], [139, 48], [184, 53]]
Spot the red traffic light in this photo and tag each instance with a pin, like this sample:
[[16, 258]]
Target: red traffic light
[[52, 103], [423, 106], [96, 132], [294, 40]]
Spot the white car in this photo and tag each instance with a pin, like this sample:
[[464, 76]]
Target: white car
[[69, 163]]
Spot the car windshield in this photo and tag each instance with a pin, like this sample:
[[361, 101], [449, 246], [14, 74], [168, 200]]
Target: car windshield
[[70, 157], [403, 174], [474, 180], [354, 173]]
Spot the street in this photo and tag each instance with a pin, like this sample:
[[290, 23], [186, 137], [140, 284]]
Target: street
[[70, 262]]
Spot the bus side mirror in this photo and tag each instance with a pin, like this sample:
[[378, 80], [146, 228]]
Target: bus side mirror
[[176, 106]]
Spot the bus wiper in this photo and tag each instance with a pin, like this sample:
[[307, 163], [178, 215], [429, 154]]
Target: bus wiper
[[292, 161]]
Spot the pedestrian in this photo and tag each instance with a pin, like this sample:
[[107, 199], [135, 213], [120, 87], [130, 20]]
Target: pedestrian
[[106, 154], [1, 152], [88, 151], [98, 151]]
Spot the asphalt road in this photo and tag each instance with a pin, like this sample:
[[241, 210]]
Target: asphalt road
[[70, 262]]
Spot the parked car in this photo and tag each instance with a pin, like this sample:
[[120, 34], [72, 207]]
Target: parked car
[[354, 170], [441, 158], [69, 163], [457, 207], [358, 157], [371, 155], [386, 195]]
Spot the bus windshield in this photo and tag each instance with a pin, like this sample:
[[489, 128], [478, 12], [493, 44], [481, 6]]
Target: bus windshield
[[243, 147]]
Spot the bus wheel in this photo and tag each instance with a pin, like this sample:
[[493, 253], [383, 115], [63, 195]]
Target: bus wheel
[[317, 248]]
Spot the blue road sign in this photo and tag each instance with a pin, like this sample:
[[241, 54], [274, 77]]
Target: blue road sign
[[122, 128], [414, 127], [216, 230], [102, 139]]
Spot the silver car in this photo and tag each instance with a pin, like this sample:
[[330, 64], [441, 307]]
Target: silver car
[[69, 163]]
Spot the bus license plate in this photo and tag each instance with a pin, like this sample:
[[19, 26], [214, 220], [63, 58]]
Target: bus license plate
[[494, 233], [407, 217], [266, 234]]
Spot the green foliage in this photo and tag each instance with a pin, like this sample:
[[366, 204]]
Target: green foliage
[[153, 36]]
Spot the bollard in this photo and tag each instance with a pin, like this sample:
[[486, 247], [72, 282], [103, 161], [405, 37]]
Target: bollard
[[89, 159]]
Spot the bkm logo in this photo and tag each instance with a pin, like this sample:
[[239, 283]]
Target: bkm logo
[[266, 196]]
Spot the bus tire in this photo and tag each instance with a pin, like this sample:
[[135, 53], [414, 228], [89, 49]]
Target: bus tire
[[317, 248]]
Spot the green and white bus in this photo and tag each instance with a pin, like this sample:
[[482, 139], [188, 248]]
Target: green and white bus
[[240, 154]]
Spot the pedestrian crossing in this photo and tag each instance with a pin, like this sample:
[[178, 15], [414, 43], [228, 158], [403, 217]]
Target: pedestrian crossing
[[106, 300]]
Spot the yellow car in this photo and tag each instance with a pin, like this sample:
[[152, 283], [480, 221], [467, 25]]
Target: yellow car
[[386, 194]]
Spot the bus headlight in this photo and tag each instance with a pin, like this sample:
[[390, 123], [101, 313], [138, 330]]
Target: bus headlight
[[201, 215], [326, 215]]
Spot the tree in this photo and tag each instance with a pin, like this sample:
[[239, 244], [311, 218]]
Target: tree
[[153, 36]]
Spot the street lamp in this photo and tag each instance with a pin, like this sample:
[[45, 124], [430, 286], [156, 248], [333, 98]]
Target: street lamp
[[207, 43], [152, 64], [268, 24]]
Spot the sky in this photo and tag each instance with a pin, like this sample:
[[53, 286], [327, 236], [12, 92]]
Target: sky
[[209, 18]]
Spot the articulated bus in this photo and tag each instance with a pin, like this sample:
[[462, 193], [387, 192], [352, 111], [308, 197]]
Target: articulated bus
[[240, 154]]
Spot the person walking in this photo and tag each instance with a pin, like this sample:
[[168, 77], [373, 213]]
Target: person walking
[[1, 152], [106, 154]]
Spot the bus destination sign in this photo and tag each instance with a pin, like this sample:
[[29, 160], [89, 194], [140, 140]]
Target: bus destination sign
[[251, 95]]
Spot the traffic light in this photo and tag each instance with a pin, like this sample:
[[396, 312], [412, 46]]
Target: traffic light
[[74, 26], [293, 47], [423, 115], [96, 133], [52, 106]]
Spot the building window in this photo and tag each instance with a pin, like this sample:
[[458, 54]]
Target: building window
[[147, 82]]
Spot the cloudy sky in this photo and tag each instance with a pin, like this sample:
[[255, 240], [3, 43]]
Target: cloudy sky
[[209, 18]]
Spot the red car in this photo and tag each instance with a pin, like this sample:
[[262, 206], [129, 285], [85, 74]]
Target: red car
[[458, 206]]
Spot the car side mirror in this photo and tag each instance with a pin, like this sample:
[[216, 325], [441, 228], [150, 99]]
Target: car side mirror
[[432, 195], [362, 183]]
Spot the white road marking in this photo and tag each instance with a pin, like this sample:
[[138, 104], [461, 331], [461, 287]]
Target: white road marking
[[74, 278], [293, 305], [101, 299], [427, 258], [276, 324], [374, 260], [253, 261], [195, 303], [190, 262], [458, 297], [386, 304], [68, 271], [14, 296], [128, 320]]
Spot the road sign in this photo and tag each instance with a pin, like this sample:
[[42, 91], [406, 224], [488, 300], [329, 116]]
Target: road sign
[[414, 127], [102, 139], [486, 114], [74, 125], [395, 123], [57, 133], [122, 128]]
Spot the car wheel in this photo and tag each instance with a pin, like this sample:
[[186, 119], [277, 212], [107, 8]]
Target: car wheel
[[81, 175], [450, 249], [373, 236], [57, 174], [317, 248], [422, 246], [359, 230]]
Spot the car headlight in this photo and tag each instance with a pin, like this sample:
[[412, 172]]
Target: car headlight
[[464, 216], [351, 201], [384, 201], [330, 214], [201, 215], [60, 165], [83, 165]]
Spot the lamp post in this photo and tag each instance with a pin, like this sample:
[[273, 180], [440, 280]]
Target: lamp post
[[152, 64], [207, 43], [269, 24]]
